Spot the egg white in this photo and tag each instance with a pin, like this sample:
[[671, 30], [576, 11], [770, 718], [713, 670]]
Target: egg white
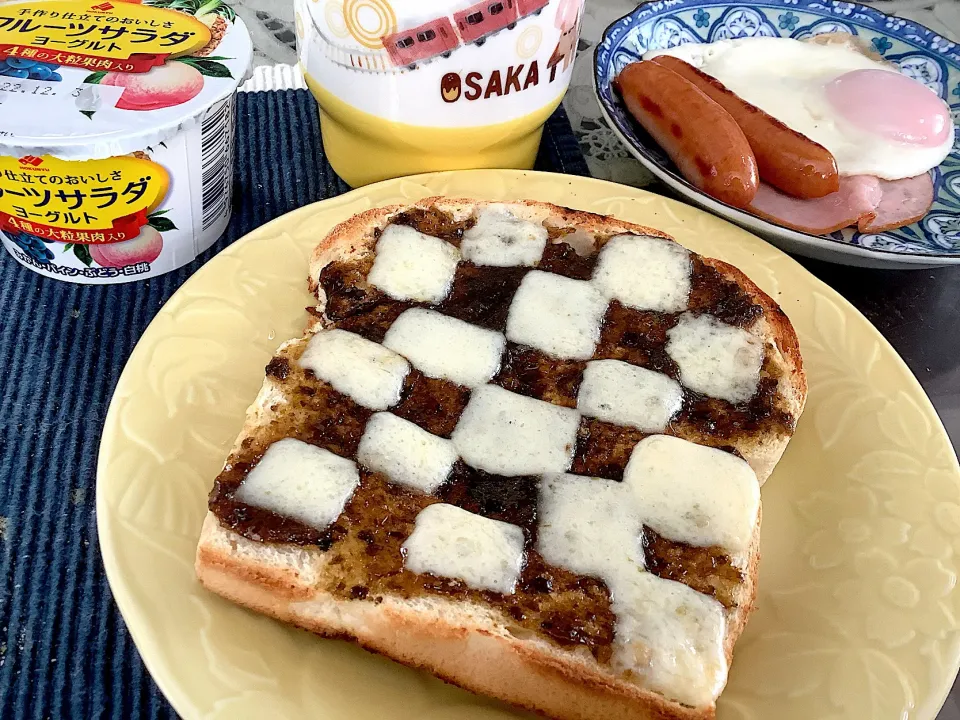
[[786, 79]]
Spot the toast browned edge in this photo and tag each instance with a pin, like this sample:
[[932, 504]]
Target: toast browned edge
[[482, 657], [456, 641]]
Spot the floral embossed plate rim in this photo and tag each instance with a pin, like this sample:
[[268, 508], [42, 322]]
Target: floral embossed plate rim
[[920, 53], [858, 596]]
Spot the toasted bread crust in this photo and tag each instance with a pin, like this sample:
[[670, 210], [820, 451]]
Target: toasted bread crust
[[467, 644], [354, 236], [468, 647]]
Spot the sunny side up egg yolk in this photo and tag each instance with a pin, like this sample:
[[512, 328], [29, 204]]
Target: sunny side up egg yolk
[[892, 106]]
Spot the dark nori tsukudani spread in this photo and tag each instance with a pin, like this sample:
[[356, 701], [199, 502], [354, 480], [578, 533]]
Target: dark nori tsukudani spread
[[363, 545]]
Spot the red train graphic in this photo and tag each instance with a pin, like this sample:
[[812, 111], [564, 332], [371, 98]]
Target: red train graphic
[[408, 47], [472, 25]]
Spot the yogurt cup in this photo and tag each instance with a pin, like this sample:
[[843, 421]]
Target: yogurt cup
[[93, 188], [409, 86]]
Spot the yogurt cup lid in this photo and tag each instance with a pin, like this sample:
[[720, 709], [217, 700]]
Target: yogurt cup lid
[[77, 77]]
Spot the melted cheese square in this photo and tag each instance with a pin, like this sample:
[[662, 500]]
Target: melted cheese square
[[301, 481], [588, 526], [693, 494], [644, 273], [501, 239], [355, 366], [624, 394], [665, 632], [557, 315], [714, 358], [450, 542], [412, 266], [503, 433], [671, 636], [405, 453], [444, 347]]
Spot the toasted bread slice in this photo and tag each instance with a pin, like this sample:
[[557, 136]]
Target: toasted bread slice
[[550, 644], [353, 242]]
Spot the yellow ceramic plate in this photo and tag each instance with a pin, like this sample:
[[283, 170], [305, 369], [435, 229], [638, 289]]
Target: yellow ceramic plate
[[861, 521]]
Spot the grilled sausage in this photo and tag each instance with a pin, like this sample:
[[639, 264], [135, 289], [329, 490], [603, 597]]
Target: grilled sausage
[[701, 138], [789, 161]]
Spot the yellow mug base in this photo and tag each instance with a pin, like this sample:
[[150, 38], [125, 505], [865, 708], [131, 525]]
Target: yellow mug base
[[364, 148]]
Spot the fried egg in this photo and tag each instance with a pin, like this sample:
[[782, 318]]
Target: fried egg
[[873, 119]]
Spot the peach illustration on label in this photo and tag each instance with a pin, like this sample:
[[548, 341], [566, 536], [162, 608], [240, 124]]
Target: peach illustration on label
[[173, 83], [145, 247]]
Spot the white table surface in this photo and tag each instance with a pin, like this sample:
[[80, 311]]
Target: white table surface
[[271, 25]]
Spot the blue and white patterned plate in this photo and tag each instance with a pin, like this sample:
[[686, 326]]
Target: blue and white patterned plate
[[920, 53]]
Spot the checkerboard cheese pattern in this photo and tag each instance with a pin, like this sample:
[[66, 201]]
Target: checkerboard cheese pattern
[[667, 634]]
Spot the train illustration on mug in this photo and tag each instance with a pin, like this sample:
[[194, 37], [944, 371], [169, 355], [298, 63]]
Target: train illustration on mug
[[404, 49], [443, 35]]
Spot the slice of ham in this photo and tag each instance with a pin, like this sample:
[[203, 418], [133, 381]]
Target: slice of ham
[[902, 202], [872, 204], [857, 197]]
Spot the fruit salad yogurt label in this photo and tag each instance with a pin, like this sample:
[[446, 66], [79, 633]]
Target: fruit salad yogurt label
[[94, 189]]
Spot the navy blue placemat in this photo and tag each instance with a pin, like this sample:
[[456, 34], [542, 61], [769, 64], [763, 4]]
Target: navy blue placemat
[[64, 650]]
